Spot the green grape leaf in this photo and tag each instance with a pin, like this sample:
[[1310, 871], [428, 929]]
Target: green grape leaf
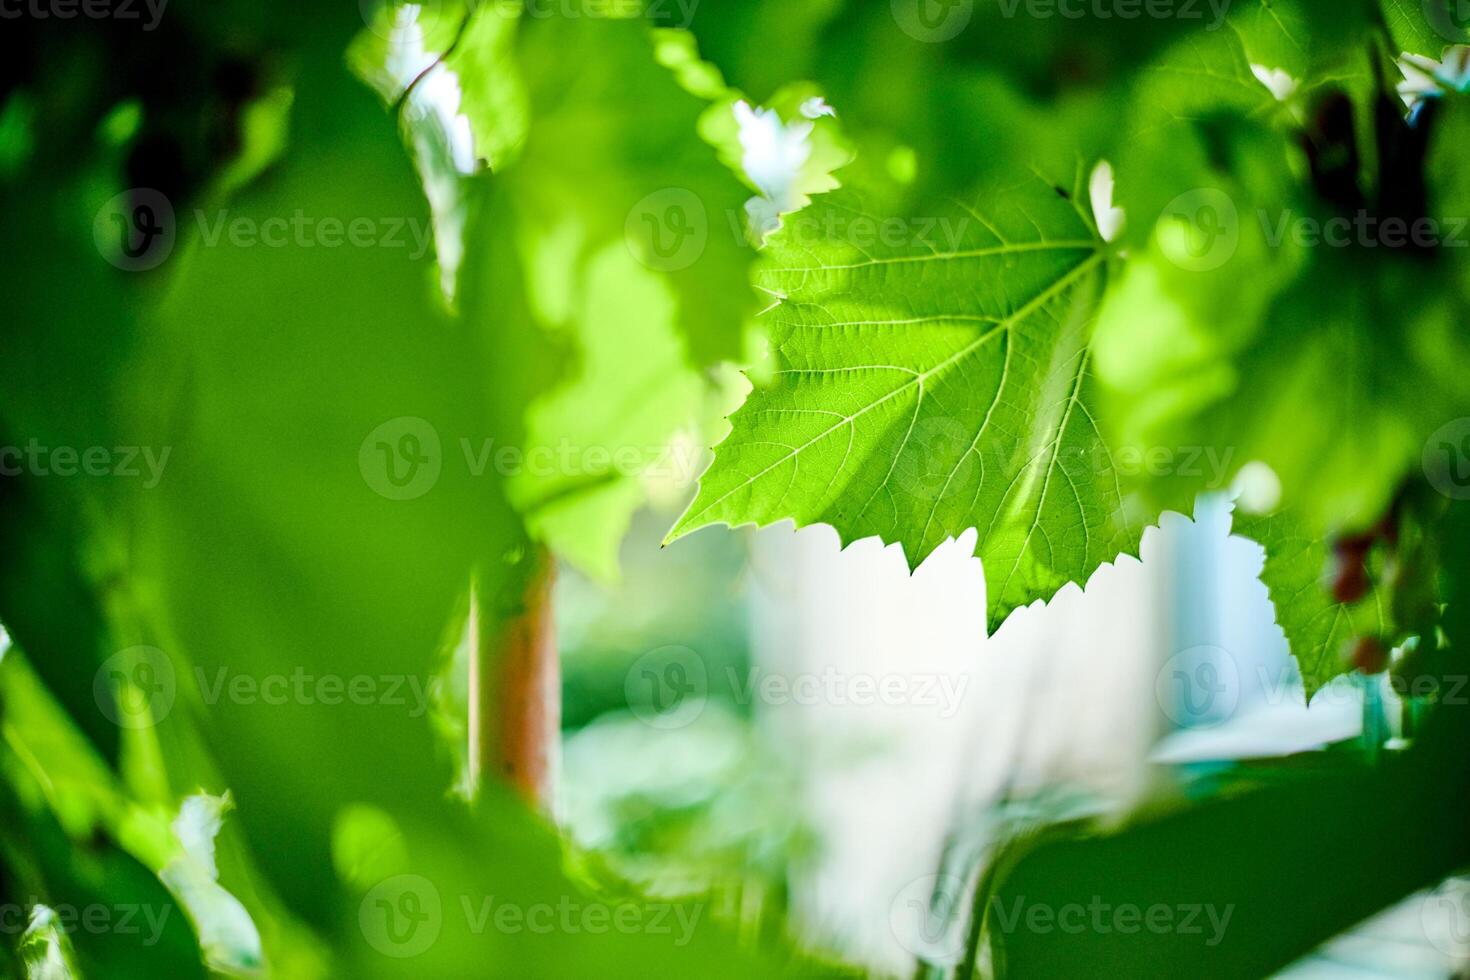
[[1207, 73], [1255, 322], [594, 439], [1309, 38], [613, 155], [317, 521], [1192, 108], [606, 258], [1285, 388], [493, 95], [930, 376], [790, 37], [317, 399], [1284, 385], [1317, 627], [1426, 27], [1448, 170], [445, 63], [41, 861]]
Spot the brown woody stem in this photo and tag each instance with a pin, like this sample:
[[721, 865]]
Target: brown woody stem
[[515, 688]]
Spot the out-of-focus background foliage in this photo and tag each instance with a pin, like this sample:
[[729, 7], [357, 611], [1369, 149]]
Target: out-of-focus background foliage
[[325, 324]]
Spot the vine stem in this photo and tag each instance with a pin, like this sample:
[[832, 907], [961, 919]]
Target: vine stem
[[515, 689], [439, 59]]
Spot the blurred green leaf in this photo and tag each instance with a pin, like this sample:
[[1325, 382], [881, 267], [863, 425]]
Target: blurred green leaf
[[1318, 629], [594, 439], [1181, 891], [613, 155]]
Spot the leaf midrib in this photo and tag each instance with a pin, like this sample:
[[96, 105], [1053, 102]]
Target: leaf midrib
[[1001, 326]]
